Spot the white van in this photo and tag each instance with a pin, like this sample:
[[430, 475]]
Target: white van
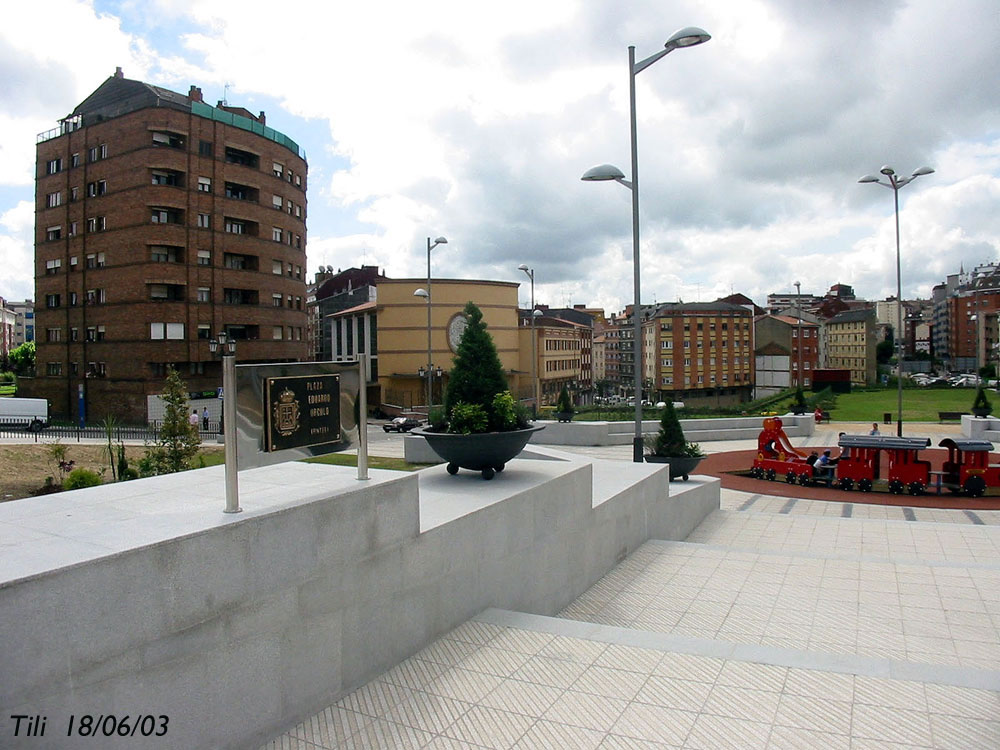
[[30, 413]]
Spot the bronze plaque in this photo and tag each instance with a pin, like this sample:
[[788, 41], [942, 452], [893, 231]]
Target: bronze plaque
[[301, 411]]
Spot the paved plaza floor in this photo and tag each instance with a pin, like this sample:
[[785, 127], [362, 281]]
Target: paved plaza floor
[[778, 623]]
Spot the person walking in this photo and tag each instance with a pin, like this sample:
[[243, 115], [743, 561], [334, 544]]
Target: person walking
[[193, 420]]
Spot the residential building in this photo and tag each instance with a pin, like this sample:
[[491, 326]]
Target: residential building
[[977, 295], [161, 220], [704, 352], [565, 357], [24, 324], [8, 328], [334, 293], [850, 344], [792, 338]]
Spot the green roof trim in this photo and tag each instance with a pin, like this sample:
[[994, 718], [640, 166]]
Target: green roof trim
[[245, 123]]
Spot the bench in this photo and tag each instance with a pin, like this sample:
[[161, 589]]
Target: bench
[[953, 416], [825, 416]]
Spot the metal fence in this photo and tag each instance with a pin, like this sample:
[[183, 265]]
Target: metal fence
[[124, 433]]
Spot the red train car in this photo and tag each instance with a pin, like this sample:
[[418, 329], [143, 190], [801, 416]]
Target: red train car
[[860, 463], [968, 468], [776, 456]]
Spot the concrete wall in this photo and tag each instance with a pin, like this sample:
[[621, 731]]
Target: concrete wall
[[237, 626], [695, 430]]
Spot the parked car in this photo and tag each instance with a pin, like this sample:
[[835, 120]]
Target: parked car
[[401, 424]]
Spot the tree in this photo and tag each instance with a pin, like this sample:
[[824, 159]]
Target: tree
[[564, 405], [477, 375], [22, 359], [178, 441], [670, 440], [884, 351]]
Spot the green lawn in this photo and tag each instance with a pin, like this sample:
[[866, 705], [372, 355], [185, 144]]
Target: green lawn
[[919, 404]]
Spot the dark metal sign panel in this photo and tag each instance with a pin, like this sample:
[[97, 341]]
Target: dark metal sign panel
[[301, 411]]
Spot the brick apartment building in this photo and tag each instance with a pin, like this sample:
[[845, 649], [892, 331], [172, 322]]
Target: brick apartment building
[[161, 220]]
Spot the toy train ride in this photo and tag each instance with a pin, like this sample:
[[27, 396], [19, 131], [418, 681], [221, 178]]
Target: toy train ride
[[863, 457]]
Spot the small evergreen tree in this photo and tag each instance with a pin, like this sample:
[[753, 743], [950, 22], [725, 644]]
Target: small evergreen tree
[[564, 404], [477, 375], [981, 403], [178, 441], [670, 440]]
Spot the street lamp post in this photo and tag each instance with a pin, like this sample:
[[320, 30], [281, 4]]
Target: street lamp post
[[426, 293], [534, 344], [894, 183], [686, 37], [225, 346]]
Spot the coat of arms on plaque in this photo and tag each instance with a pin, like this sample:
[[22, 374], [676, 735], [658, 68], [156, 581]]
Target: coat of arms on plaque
[[286, 413]]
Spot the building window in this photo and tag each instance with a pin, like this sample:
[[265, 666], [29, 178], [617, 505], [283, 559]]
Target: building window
[[95, 333], [98, 152], [96, 224], [298, 210], [240, 296], [74, 334], [244, 158], [73, 229], [72, 299], [278, 169], [166, 216], [53, 166], [96, 297], [53, 233], [52, 300], [234, 226], [204, 257], [166, 331], [277, 267], [276, 300], [53, 199], [53, 368], [241, 192], [204, 294], [53, 334], [276, 332], [204, 221], [52, 266], [276, 234], [165, 254], [100, 187], [165, 177], [204, 331], [95, 260], [277, 202], [205, 148], [239, 262], [168, 139], [75, 160], [204, 184], [74, 194]]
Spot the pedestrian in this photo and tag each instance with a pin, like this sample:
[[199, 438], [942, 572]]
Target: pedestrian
[[818, 415], [193, 419], [204, 419], [874, 429]]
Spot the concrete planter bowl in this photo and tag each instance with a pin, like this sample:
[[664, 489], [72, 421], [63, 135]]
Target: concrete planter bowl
[[486, 452], [680, 466]]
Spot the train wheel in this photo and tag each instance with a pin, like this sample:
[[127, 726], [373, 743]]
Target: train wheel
[[804, 479], [896, 487], [916, 487], [865, 485], [488, 472], [452, 469], [757, 473], [847, 484], [770, 475], [790, 477], [974, 486]]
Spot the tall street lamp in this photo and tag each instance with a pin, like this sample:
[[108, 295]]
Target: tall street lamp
[[894, 182], [426, 293], [225, 346], [534, 343], [686, 37]]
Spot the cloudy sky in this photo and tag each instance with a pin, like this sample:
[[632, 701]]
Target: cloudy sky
[[475, 121]]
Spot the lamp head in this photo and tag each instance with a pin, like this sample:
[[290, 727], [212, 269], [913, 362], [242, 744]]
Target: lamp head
[[522, 267], [435, 243], [922, 171], [422, 293], [536, 314], [869, 178], [887, 171], [602, 173], [689, 36]]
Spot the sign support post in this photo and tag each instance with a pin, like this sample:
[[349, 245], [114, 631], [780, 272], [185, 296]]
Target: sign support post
[[229, 426], [363, 369]]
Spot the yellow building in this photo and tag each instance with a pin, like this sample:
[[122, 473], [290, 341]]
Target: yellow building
[[850, 344], [394, 327]]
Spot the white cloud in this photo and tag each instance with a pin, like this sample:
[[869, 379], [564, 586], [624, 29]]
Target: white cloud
[[17, 274]]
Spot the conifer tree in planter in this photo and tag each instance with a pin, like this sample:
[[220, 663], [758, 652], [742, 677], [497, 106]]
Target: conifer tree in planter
[[482, 426], [798, 405], [981, 406], [670, 446], [564, 407]]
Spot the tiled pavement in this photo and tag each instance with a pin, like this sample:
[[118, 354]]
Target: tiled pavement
[[772, 626]]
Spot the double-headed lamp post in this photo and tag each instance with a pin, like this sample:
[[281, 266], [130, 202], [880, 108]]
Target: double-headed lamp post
[[534, 343], [894, 182], [686, 37], [225, 346], [426, 293]]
